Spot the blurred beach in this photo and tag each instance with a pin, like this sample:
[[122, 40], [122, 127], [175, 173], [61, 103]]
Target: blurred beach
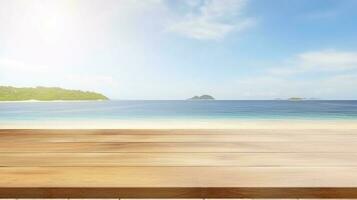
[[180, 115], [182, 124]]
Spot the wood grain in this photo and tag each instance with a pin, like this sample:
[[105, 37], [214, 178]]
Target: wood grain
[[181, 192], [185, 138], [178, 159], [178, 164], [173, 147], [178, 176]]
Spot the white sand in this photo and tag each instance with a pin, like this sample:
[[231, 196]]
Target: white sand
[[183, 124]]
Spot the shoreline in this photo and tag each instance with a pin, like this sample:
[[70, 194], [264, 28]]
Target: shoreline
[[182, 124]]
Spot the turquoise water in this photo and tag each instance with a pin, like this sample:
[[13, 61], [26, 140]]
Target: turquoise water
[[142, 110]]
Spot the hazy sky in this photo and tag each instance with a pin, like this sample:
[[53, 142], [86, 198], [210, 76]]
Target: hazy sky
[[162, 49]]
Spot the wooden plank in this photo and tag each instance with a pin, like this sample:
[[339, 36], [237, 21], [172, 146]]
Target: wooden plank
[[181, 192], [163, 177], [233, 147], [177, 138], [178, 159], [133, 164]]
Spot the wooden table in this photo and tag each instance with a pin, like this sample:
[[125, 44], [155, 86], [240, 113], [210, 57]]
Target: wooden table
[[178, 163]]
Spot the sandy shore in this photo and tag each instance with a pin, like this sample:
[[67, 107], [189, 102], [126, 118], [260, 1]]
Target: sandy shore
[[183, 124]]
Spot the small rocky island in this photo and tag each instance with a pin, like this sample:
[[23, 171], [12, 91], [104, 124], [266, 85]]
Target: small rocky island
[[296, 99], [8, 93], [202, 97]]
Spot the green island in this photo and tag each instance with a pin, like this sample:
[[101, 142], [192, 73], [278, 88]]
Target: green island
[[203, 97], [296, 99], [8, 93]]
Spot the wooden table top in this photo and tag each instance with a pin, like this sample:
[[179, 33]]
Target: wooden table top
[[178, 163]]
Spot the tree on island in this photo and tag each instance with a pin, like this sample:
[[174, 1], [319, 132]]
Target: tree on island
[[8, 93], [202, 97]]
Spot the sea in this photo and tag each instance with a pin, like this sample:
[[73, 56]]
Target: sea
[[178, 110]]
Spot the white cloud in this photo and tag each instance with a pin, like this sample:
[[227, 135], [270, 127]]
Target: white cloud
[[318, 61], [328, 60], [212, 19], [301, 76]]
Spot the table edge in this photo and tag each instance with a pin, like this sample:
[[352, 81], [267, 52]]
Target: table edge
[[178, 192]]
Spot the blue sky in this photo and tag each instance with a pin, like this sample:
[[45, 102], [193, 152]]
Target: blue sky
[[161, 49]]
